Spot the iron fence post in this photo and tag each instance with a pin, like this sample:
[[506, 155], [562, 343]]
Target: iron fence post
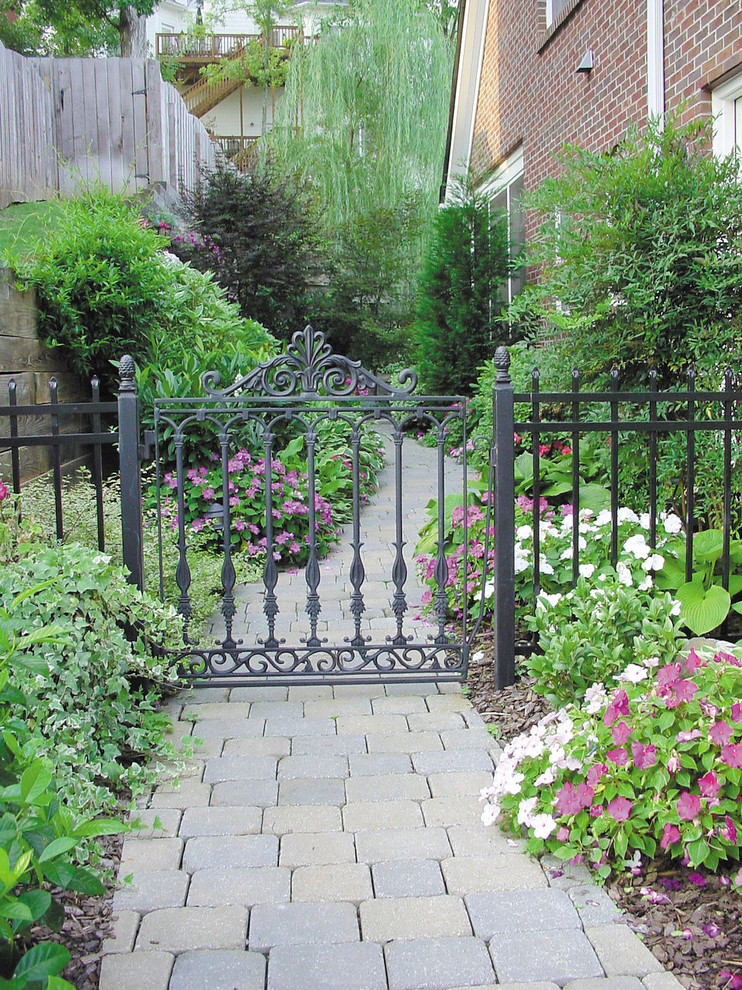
[[503, 414], [131, 479]]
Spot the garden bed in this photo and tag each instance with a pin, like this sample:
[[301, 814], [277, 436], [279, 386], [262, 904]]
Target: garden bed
[[690, 919]]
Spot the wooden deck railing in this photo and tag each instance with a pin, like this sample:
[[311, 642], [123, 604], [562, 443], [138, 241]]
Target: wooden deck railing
[[239, 149], [209, 47]]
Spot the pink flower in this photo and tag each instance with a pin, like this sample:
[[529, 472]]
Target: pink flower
[[208, 494], [620, 733], [595, 772], [670, 835], [643, 756], [709, 785], [693, 662], [688, 736], [673, 764], [618, 706], [567, 801], [688, 806], [732, 755], [585, 795], [563, 834], [239, 525], [697, 879], [618, 756], [737, 711], [3, 491], [596, 811], [729, 831], [619, 809], [543, 449], [720, 733]]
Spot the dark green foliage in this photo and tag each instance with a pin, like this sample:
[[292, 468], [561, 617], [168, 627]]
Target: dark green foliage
[[259, 235], [646, 260], [73, 28], [459, 323]]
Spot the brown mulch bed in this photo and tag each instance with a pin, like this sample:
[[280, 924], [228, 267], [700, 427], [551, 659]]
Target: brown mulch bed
[[691, 920]]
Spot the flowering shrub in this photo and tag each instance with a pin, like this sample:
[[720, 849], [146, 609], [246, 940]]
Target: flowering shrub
[[655, 765]]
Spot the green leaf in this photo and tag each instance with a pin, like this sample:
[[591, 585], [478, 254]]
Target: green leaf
[[37, 901], [59, 983], [594, 497], [47, 959], [708, 545], [34, 781], [101, 826], [57, 848], [703, 610]]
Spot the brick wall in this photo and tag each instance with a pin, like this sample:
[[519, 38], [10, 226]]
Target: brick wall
[[531, 94]]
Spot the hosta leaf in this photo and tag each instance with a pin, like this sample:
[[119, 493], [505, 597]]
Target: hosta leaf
[[703, 610]]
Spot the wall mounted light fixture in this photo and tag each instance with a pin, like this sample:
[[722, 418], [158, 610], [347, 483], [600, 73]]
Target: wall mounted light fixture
[[586, 65]]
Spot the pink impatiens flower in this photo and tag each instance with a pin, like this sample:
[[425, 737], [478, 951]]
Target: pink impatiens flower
[[619, 809], [720, 733], [732, 755], [643, 756], [729, 831], [688, 806], [618, 756], [620, 733], [670, 835], [708, 785], [737, 711], [618, 706], [595, 772]]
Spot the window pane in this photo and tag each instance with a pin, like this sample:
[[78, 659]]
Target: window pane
[[738, 127], [557, 7]]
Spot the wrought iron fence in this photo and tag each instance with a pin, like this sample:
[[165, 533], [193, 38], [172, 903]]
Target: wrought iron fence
[[617, 415], [18, 430]]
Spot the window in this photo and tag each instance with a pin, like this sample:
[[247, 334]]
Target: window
[[726, 104], [554, 10], [505, 189]]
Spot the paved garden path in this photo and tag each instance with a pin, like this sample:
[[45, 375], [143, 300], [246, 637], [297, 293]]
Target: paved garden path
[[329, 838]]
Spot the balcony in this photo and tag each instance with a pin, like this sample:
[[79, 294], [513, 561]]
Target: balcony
[[239, 149], [197, 49]]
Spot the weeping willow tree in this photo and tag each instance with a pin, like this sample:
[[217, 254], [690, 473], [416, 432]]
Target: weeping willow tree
[[363, 123]]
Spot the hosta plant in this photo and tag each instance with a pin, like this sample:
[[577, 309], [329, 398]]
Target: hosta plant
[[654, 765]]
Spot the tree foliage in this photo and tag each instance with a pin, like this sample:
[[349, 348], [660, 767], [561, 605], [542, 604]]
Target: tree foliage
[[459, 322], [74, 28], [644, 266]]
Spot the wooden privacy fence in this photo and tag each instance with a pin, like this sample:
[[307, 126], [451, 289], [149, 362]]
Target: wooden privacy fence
[[66, 122]]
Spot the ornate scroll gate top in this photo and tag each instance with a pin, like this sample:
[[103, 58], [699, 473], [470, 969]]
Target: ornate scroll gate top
[[366, 606]]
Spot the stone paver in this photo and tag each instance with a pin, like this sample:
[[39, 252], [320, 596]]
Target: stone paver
[[329, 837]]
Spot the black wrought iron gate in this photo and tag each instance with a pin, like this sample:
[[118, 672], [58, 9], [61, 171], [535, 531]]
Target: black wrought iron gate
[[372, 627]]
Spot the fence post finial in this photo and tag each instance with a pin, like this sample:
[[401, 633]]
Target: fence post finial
[[502, 363], [126, 374]]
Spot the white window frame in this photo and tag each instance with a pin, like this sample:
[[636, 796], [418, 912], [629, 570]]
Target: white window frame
[[550, 12], [726, 106], [500, 181]]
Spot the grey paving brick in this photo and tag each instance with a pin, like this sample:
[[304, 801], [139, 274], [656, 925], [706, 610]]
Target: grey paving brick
[[467, 739], [150, 854], [531, 985], [375, 815], [232, 728], [458, 809], [661, 981], [565, 875], [472, 874], [277, 746], [302, 818], [358, 690], [124, 928], [557, 957], [362, 724], [215, 709], [453, 760], [454, 702], [607, 983], [220, 821], [500, 911], [469, 782], [240, 885], [203, 749], [310, 692], [299, 727], [389, 787], [156, 823], [378, 764], [205, 695], [312, 849], [399, 844], [478, 840], [219, 969], [137, 971], [403, 742], [312, 766], [277, 709], [435, 963], [181, 929], [404, 704], [258, 692], [435, 721], [189, 794], [238, 793], [301, 924], [593, 904], [621, 952], [328, 745], [327, 790], [239, 767], [332, 882], [334, 707], [151, 889], [358, 966], [221, 851], [413, 917], [408, 878]]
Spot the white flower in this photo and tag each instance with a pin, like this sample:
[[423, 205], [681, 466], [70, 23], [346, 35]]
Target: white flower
[[624, 574], [637, 546], [676, 609], [655, 562], [523, 533], [671, 523], [545, 566], [521, 562], [646, 584], [633, 673], [651, 661], [526, 809], [546, 778], [543, 826], [595, 698], [573, 764], [587, 570], [603, 518], [644, 520], [565, 732], [490, 813], [479, 655], [556, 755], [626, 515], [489, 589], [544, 599]]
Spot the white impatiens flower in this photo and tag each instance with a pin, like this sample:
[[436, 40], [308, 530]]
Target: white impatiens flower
[[624, 574], [637, 546], [651, 661], [490, 813], [546, 778], [545, 566], [633, 674], [543, 826], [521, 561], [595, 698], [603, 518], [646, 584], [587, 570], [676, 609], [525, 811], [544, 599], [523, 533], [644, 520], [655, 562], [672, 523], [626, 515]]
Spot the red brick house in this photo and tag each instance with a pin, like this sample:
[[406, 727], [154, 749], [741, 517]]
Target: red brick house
[[531, 75]]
